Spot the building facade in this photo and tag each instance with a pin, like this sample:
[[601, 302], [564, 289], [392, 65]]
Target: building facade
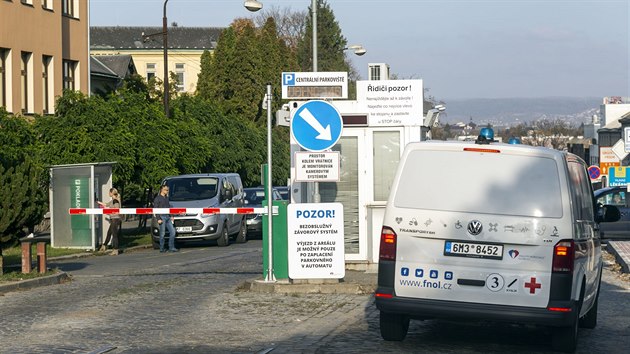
[[43, 50], [144, 44]]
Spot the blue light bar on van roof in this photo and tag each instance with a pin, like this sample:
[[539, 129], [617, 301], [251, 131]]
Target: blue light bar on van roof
[[486, 136], [514, 140]]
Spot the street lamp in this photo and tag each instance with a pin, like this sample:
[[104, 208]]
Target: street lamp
[[167, 91], [253, 6], [357, 48]]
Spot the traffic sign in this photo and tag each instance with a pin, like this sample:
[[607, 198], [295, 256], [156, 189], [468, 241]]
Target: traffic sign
[[619, 176], [619, 150], [316, 125], [626, 138], [594, 172]]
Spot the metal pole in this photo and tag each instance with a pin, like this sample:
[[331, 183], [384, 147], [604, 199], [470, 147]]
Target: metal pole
[[165, 43], [314, 8], [270, 276], [316, 197]]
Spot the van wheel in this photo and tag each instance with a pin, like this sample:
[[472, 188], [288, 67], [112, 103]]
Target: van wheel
[[394, 327], [590, 319], [224, 240], [564, 339], [241, 237]]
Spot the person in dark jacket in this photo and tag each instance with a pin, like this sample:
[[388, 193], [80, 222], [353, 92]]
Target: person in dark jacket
[[165, 220]]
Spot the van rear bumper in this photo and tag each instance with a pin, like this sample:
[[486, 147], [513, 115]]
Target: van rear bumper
[[429, 309]]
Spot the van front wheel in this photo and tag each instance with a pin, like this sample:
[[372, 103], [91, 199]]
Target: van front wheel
[[224, 240], [394, 327], [241, 237]]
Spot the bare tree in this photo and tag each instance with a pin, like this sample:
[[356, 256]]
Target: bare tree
[[291, 24]]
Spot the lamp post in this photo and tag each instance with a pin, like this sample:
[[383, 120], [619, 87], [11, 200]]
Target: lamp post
[[167, 91], [253, 6]]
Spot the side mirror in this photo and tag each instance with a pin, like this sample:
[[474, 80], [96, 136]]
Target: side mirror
[[227, 194], [608, 213]]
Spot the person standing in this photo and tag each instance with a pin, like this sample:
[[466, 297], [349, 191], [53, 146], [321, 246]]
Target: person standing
[[165, 220], [114, 221]]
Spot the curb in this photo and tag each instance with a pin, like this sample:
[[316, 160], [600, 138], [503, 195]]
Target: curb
[[34, 283], [55, 278], [613, 248], [355, 283]]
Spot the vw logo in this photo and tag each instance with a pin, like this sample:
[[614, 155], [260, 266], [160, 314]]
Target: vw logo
[[475, 227]]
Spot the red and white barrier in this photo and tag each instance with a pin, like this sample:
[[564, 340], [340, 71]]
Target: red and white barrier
[[175, 211]]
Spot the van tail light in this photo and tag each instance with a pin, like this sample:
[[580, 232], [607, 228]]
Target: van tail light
[[563, 256], [388, 244]]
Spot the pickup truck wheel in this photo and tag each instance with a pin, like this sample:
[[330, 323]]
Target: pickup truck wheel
[[394, 327], [241, 237], [224, 240]]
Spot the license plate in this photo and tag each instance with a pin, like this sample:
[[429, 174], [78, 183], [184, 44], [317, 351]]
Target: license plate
[[184, 229], [472, 249]]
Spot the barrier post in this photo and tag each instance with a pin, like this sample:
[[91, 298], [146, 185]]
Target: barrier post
[[280, 242]]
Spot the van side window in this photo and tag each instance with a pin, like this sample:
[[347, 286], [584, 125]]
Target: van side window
[[581, 189]]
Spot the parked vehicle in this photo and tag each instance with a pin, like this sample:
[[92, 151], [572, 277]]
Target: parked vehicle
[[618, 197], [516, 241], [284, 192], [254, 198], [213, 190]]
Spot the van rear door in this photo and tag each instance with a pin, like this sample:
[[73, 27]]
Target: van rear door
[[479, 225]]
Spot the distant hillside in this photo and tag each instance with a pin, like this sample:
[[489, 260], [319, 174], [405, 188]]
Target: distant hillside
[[510, 111]]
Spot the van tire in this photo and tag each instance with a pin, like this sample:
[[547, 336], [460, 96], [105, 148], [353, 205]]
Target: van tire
[[241, 237], [224, 240], [564, 339], [590, 319], [394, 327]]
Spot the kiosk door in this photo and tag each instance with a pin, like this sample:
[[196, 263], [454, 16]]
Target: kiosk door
[[348, 191]]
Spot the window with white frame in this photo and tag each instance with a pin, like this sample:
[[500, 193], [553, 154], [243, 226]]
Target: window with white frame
[[47, 84], [26, 81], [179, 71], [47, 4], [4, 55], [375, 72], [69, 75], [27, 2], [70, 8], [150, 71], [386, 152]]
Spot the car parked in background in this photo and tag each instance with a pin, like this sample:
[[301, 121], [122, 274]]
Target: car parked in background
[[617, 196], [284, 192], [254, 199]]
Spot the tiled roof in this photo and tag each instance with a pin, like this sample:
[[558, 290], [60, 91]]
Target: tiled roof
[[121, 65], [131, 37], [96, 67]]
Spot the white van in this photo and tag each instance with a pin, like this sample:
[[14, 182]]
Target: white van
[[485, 231], [205, 190]]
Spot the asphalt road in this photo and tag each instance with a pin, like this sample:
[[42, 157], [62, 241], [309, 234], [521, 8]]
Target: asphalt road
[[189, 302]]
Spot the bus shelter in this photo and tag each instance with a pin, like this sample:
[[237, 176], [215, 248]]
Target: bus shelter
[[78, 186]]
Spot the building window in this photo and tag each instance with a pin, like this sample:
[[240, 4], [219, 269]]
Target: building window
[[179, 71], [375, 72], [150, 71], [69, 8], [27, 2], [4, 54], [25, 80], [47, 83], [69, 75], [47, 4]]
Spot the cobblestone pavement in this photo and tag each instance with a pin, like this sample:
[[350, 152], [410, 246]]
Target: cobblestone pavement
[[193, 305]]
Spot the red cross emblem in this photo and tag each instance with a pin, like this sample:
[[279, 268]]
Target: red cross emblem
[[532, 285]]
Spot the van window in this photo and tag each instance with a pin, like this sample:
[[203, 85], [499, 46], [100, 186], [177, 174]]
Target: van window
[[474, 182], [192, 188], [583, 195]]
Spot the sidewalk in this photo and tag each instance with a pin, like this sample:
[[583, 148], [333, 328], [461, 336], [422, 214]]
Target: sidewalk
[[621, 251]]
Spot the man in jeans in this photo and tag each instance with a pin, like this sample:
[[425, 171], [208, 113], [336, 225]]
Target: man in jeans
[[165, 220]]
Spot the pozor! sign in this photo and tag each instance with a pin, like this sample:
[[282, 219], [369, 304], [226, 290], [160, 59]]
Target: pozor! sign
[[316, 241]]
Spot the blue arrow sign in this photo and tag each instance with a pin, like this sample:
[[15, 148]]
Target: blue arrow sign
[[316, 125]]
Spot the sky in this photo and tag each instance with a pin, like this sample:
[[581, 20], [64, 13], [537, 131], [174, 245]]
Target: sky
[[460, 49]]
